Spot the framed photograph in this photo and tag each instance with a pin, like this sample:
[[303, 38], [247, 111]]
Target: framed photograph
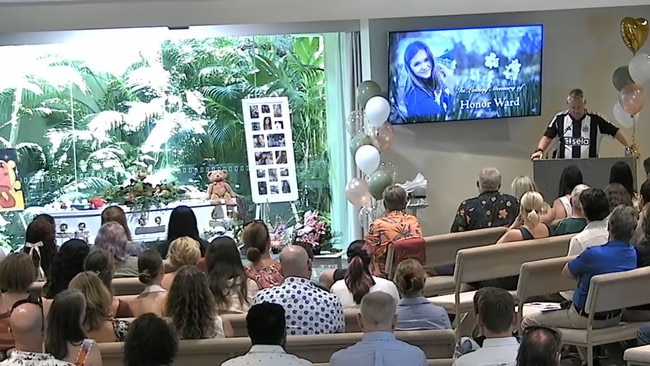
[[269, 145]]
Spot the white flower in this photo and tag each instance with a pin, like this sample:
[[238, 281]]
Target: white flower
[[492, 61], [512, 71]]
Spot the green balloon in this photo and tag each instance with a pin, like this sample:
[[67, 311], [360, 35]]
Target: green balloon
[[367, 90], [358, 141], [621, 77], [377, 183]]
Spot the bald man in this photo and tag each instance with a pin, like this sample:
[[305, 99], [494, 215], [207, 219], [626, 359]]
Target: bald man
[[379, 346], [308, 308], [26, 324]]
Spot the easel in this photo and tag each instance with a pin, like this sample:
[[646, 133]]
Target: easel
[[263, 211]]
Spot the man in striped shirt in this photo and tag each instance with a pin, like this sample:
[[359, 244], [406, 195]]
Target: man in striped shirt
[[578, 131]]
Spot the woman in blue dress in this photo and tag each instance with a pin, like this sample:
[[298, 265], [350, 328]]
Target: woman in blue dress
[[425, 96]]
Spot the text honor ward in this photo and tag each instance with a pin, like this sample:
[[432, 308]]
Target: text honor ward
[[497, 101]]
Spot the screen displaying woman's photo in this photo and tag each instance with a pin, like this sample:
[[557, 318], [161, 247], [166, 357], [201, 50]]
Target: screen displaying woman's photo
[[275, 189], [261, 188], [276, 140], [254, 111], [277, 110], [281, 157], [264, 158], [259, 141], [273, 175], [267, 123], [261, 173]]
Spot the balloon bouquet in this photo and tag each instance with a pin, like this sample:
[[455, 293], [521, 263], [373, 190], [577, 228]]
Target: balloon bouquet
[[629, 80], [371, 134]]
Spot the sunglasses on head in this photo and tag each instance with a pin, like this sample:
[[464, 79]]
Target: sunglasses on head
[[32, 299]]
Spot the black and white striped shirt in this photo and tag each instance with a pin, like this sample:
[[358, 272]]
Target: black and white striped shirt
[[579, 138]]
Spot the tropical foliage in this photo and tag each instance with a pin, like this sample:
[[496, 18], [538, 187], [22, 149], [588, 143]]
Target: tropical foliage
[[174, 114]]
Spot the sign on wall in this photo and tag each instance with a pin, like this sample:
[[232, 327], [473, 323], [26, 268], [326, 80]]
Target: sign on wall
[[269, 145]]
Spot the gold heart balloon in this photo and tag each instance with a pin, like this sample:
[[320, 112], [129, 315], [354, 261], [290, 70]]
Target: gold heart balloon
[[634, 32]]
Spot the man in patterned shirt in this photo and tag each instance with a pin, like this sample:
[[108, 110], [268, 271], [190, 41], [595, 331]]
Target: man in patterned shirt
[[308, 309], [490, 208]]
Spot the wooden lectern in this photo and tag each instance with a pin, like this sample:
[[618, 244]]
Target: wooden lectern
[[595, 173]]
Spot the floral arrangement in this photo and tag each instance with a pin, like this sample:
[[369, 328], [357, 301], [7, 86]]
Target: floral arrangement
[[316, 230], [140, 195]]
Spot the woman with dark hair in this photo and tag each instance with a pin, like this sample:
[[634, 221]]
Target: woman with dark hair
[[152, 299], [358, 280], [151, 341], [232, 289], [425, 94], [40, 244], [65, 337], [68, 262], [191, 307], [570, 178], [101, 263], [621, 173], [257, 242], [46, 217], [182, 222]]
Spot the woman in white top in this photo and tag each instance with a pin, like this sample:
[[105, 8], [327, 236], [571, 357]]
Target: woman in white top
[[358, 281], [232, 289], [152, 298], [570, 178]]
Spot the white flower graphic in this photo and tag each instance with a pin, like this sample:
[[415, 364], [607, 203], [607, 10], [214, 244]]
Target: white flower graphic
[[492, 61], [512, 71]]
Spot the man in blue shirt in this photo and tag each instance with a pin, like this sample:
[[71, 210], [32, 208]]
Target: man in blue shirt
[[379, 347]]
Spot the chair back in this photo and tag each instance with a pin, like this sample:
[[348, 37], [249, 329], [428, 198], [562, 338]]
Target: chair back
[[127, 286], [409, 248], [543, 277], [442, 249], [614, 291]]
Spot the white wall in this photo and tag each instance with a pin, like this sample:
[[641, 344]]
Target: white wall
[[581, 50]]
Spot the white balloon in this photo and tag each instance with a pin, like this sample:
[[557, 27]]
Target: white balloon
[[367, 159], [622, 117], [377, 110], [640, 68]]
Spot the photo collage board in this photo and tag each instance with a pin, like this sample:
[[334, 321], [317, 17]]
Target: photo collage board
[[269, 145]]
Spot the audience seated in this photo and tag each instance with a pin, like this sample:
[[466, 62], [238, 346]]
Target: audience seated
[[616, 255], [117, 214], [496, 317], [191, 308], [521, 185], [621, 173], [571, 176], [68, 262], [232, 289], [358, 281], [153, 298], [617, 195], [151, 341], [644, 202], [27, 323], [112, 237], [414, 311], [102, 263], [596, 209], [265, 271], [99, 322], [577, 221], [182, 222], [267, 330], [16, 276], [470, 344], [183, 251], [378, 347], [490, 208], [642, 248], [40, 244], [66, 338], [540, 346], [395, 225], [308, 309]]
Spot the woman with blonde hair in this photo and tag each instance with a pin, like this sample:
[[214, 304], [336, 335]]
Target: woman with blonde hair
[[262, 268], [531, 226], [521, 185], [99, 322], [414, 311], [101, 263], [182, 251]]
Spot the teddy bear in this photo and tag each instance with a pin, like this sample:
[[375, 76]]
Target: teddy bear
[[219, 190]]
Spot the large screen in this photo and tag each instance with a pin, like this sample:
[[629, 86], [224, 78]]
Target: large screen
[[465, 74]]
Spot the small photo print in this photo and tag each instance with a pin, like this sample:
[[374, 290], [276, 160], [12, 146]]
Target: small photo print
[[277, 110], [254, 111], [276, 140], [256, 126], [281, 157], [261, 173], [278, 125], [259, 141], [286, 187], [267, 123], [266, 108], [261, 188], [275, 189], [273, 175], [284, 172], [264, 158]]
